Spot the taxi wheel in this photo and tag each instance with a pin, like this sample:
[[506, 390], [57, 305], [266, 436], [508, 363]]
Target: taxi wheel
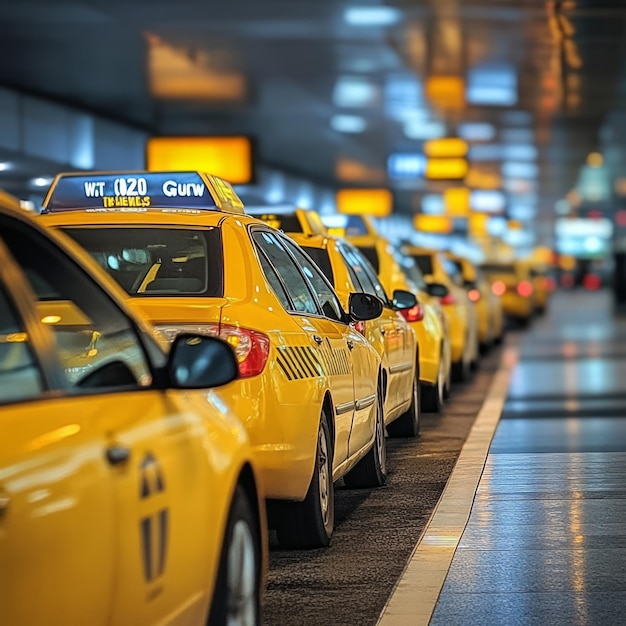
[[237, 590], [310, 523], [371, 470], [408, 424]]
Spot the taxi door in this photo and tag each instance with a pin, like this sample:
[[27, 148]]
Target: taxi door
[[352, 377], [160, 480], [105, 489]]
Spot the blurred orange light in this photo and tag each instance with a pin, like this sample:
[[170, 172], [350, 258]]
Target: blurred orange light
[[448, 147], [227, 157], [446, 92], [446, 169], [473, 295], [376, 202], [477, 224]]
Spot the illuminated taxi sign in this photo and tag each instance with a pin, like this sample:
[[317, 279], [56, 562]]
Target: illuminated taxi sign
[[176, 191]]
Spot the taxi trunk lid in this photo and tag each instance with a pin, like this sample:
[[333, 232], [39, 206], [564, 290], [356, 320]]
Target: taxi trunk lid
[[170, 310]]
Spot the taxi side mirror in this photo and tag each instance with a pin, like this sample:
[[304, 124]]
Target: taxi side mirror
[[363, 307], [199, 362], [438, 290], [403, 300]]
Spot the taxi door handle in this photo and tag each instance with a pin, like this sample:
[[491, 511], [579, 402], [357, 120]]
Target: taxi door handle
[[382, 331], [117, 454], [317, 339], [350, 344]]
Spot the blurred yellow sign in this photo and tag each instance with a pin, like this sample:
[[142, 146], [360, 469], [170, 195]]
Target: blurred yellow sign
[[482, 179], [376, 202], [515, 225], [227, 157], [432, 223], [457, 201], [449, 147], [446, 169], [446, 92], [477, 224]]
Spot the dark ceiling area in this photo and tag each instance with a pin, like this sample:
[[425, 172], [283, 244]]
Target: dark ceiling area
[[330, 89]]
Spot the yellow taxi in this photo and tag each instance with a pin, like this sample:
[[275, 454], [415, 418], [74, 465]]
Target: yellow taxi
[[310, 385], [488, 305], [512, 282], [426, 321], [543, 285], [439, 270], [128, 495], [390, 334]]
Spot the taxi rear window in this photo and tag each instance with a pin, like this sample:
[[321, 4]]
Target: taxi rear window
[[424, 262], [157, 261], [498, 268], [369, 252], [288, 223], [322, 261]]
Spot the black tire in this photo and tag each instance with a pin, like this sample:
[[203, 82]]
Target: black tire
[[460, 371], [241, 550], [408, 424], [310, 523], [371, 470]]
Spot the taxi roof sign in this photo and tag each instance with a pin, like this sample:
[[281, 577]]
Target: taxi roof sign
[[141, 191], [290, 219]]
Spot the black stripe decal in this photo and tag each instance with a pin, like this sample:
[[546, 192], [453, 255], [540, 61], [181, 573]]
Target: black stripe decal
[[284, 368], [302, 351], [290, 359], [163, 528], [314, 360], [146, 541], [298, 358]]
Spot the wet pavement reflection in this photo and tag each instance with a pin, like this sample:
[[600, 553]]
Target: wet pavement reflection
[[546, 542]]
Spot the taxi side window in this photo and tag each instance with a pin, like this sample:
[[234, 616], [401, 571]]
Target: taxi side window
[[302, 299], [20, 378], [325, 294], [97, 344], [368, 281], [275, 283]]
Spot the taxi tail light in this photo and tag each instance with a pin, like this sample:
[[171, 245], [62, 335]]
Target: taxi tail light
[[251, 348], [525, 289], [449, 299], [414, 314], [360, 327], [473, 295], [498, 288]]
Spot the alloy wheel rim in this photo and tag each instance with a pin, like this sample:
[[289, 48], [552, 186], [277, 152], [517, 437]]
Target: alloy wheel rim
[[324, 477], [242, 568]]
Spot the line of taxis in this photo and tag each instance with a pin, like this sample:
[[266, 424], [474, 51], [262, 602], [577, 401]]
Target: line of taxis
[[178, 373]]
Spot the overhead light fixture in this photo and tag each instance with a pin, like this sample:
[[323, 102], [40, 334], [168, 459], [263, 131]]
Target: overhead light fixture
[[401, 166], [4, 166], [517, 135], [595, 160], [348, 123], [519, 169], [41, 181], [371, 16], [522, 212], [476, 131], [519, 152], [353, 91], [416, 129], [486, 152], [433, 204], [494, 85], [487, 201], [448, 147]]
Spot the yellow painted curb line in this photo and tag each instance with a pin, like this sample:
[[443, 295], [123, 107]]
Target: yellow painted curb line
[[415, 595]]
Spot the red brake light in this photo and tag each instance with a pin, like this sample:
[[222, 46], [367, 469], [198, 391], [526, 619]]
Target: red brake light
[[414, 314], [498, 288], [592, 282], [251, 348], [473, 295], [550, 283], [360, 327], [525, 289], [449, 299]]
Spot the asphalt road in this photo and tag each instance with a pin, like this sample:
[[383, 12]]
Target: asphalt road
[[375, 530]]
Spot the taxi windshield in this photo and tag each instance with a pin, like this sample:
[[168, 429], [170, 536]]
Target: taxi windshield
[[424, 262], [370, 253], [157, 261]]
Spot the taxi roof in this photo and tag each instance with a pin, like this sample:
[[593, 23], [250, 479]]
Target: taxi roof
[[116, 192]]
